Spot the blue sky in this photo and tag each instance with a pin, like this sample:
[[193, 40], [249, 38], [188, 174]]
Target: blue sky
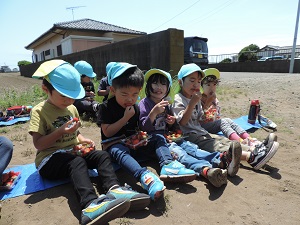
[[229, 25]]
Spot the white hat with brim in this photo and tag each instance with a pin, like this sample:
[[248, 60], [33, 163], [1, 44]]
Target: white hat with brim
[[116, 69], [188, 69], [150, 72]]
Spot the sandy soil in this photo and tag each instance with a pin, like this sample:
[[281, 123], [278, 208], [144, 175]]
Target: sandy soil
[[268, 196]]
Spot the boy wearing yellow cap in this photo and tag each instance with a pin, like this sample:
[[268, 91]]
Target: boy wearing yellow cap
[[54, 127]]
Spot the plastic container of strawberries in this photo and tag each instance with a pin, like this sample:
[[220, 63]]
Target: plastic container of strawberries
[[11, 181], [172, 136], [82, 149], [137, 140]]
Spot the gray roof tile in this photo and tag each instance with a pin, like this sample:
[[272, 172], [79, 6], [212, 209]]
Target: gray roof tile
[[88, 24]]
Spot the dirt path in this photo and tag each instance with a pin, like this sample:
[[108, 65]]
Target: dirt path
[[269, 196]]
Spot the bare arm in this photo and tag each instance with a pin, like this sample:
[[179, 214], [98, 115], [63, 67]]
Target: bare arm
[[189, 109], [42, 142]]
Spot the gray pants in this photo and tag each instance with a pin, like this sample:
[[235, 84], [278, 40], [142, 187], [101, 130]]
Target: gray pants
[[226, 125], [212, 142]]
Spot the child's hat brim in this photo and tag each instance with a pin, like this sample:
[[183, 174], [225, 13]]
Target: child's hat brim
[[47, 67], [150, 72], [211, 72], [188, 69], [116, 69]]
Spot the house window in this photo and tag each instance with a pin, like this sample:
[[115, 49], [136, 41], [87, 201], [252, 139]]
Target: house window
[[42, 56], [47, 52], [59, 50]]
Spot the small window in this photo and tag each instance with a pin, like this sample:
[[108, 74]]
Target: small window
[[47, 52]]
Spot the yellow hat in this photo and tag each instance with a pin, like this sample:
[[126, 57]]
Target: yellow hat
[[47, 67], [211, 72]]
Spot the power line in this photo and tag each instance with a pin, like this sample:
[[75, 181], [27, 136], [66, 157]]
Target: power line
[[176, 15]]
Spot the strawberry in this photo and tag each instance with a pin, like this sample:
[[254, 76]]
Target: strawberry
[[75, 119]]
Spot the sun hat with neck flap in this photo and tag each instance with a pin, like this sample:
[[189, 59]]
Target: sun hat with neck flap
[[188, 69], [84, 68], [115, 69], [150, 72], [64, 78]]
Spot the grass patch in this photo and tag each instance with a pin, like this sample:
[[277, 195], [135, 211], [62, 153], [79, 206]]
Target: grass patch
[[30, 96]]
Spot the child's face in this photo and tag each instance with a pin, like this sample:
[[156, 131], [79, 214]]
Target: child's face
[[191, 84], [126, 96], [57, 99], [209, 88], [159, 90], [85, 79]]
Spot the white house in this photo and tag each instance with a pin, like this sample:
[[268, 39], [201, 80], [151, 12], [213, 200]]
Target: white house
[[75, 36]]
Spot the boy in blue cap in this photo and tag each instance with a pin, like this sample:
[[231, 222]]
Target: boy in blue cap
[[54, 128], [119, 115], [87, 104]]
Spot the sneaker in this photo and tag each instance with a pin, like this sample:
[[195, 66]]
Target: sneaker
[[96, 107], [137, 200], [176, 172], [262, 154], [217, 176], [270, 139], [152, 184], [104, 209], [232, 157]]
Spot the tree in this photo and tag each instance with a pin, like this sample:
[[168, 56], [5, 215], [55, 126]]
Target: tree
[[23, 63], [248, 53], [227, 60]]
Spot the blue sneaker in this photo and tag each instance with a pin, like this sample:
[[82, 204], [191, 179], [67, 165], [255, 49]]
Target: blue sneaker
[[152, 184], [137, 200], [176, 172], [104, 209]]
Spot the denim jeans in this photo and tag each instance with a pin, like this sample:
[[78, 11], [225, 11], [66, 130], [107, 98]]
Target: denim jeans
[[192, 157], [64, 165], [6, 150], [157, 148]]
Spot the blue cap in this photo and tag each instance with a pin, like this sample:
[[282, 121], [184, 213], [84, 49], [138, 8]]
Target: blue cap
[[84, 68], [149, 73], [188, 69], [116, 69], [66, 80]]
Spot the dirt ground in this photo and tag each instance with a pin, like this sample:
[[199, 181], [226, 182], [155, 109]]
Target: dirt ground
[[269, 196]]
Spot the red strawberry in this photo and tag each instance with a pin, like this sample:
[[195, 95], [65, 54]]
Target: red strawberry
[[75, 119]]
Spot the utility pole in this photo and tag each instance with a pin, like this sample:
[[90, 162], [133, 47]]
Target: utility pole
[[72, 8], [295, 41]]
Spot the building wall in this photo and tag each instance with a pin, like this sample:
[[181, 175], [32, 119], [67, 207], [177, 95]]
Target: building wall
[[163, 50]]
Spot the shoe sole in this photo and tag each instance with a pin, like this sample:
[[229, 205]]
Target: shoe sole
[[178, 178], [113, 213], [269, 156], [217, 178], [234, 165], [139, 203]]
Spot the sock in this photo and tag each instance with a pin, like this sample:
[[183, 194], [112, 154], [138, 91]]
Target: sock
[[204, 171], [248, 156], [234, 136], [244, 135]]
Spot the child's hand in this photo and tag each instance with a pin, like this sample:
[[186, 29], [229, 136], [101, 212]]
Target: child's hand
[[160, 107], [90, 142], [71, 126], [196, 97], [170, 119], [129, 112]]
